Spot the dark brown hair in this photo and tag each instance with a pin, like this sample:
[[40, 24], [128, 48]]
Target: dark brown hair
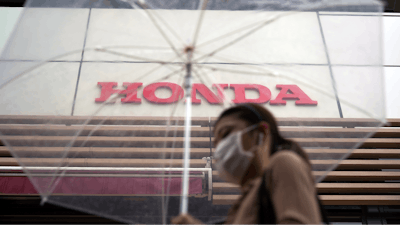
[[254, 114]]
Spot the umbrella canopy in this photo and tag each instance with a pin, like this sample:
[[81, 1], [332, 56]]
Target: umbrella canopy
[[124, 93]]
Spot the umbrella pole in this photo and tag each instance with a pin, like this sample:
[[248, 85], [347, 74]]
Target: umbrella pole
[[188, 124]]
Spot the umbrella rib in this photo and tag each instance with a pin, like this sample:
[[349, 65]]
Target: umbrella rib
[[225, 97], [174, 72], [316, 6], [63, 172], [200, 21], [37, 66], [132, 56], [134, 5], [229, 33], [243, 36], [255, 66], [66, 54], [169, 28], [145, 8], [111, 99], [135, 46], [69, 146], [166, 77], [314, 87], [147, 73], [268, 73]]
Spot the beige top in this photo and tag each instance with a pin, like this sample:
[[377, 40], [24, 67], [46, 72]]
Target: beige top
[[292, 190]]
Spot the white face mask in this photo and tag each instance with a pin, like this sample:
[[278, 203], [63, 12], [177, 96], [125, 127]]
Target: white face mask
[[232, 160]]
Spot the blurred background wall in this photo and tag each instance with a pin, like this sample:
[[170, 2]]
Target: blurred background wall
[[11, 9]]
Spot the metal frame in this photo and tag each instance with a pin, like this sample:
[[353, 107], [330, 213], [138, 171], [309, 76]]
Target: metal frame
[[97, 169]]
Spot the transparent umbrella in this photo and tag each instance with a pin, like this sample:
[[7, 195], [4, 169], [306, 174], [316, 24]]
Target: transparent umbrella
[[108, 106]]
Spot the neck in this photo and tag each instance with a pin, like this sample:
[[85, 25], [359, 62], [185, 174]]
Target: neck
[[264, 154], [256, 168], [252, 173]]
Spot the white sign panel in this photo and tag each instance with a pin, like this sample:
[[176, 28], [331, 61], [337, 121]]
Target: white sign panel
[[297, 64]]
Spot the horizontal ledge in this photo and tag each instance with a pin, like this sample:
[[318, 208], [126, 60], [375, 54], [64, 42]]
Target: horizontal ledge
[[329, 187], [117, 152], [96, 169], [2, 195], [104, 130], [329, 199], [132, 151], [98, 140], [351, 175], [230, 199], [333, 175], [113, 130], [123, 162], [102, 175], [127, 120], [99, 162], [114, 120], [102, 139]]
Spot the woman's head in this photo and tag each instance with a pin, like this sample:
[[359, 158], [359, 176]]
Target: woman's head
[[245, 115], [264, 133]]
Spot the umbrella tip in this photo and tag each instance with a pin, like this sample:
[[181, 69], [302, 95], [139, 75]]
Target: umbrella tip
[[188, 49]]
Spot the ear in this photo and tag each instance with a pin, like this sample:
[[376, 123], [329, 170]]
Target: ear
[[264, 151], [265, 128]]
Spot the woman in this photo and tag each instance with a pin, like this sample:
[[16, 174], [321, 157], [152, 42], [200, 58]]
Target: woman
[[274, 173]]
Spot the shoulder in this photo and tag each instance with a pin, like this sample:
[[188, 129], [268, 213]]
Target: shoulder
[[292, 189], [289, 165], [286, 158]]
